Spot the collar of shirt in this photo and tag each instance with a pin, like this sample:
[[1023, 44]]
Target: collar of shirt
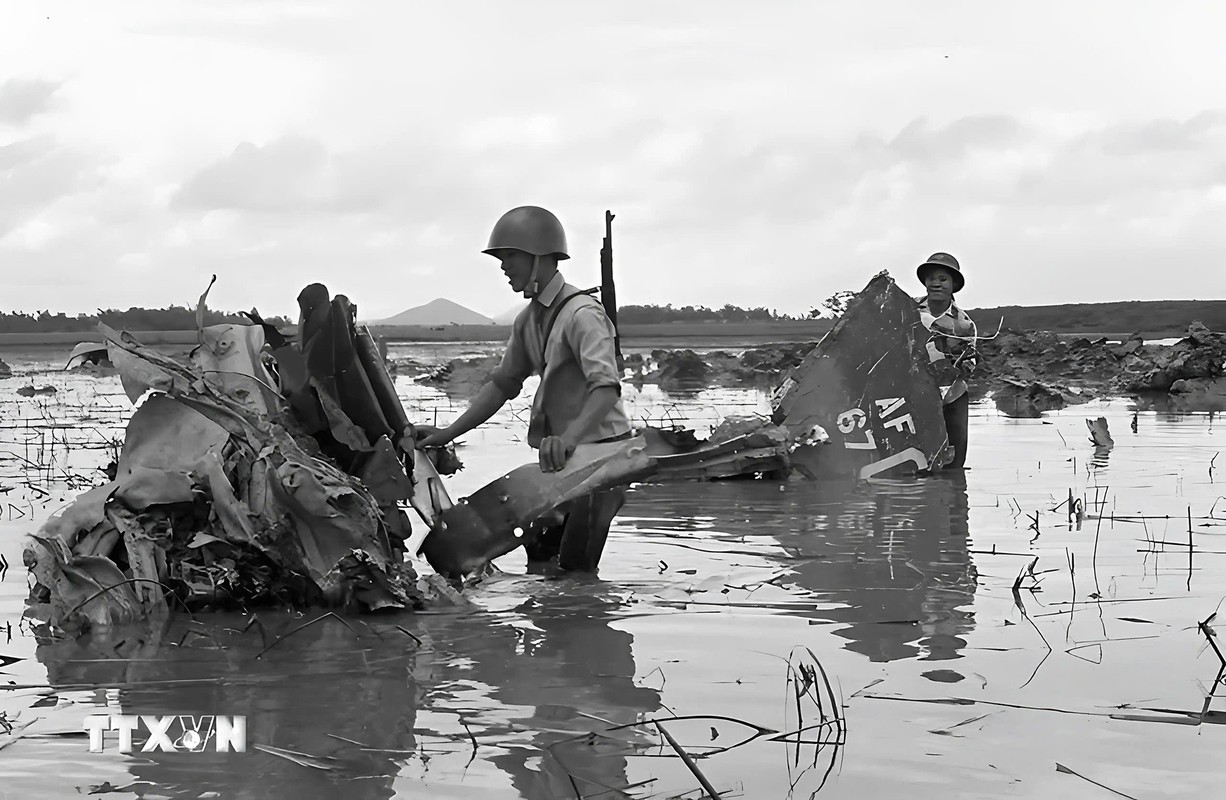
[[951, 311], [547, 295]]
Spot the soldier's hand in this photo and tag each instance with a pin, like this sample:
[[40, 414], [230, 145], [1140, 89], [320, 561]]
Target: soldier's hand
[[429, 436], [945, 371], [421, 437], [967, 362], [554, 453]]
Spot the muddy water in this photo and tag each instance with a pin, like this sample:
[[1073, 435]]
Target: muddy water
[[950, 682]]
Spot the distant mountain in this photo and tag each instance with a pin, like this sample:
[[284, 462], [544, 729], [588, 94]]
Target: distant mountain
[[440, 311], [508, 316]]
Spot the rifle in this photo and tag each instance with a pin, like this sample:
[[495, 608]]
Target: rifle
[[608, 292]]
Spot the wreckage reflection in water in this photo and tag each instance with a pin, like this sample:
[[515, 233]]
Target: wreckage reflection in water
[[360, 710], [887, 560], [899, 565], [558, 666], [304, 695]]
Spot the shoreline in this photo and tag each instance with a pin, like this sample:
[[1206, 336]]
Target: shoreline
[[1027, 372], [636, 336]]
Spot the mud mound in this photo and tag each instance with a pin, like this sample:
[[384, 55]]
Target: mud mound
[[685, 369], [1039, 356], [1019, 399], [775, 359], [405, 366], [462, 377], [1026, 370], [1080, 368], [1195, 362], [682, 366]]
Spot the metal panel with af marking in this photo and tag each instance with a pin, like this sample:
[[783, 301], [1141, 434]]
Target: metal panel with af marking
[[870, 387]]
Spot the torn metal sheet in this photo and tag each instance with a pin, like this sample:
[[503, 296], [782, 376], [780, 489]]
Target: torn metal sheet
[[869, 391], [739, 447], [165, 434], [87, 589], [491, 522], [430, 498], [83, 514], [380, 381], [334, 370], [229, 358], [87, 353]]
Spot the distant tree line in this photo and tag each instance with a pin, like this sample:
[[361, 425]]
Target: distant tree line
[[173, 318], [646, 315], [1154, 318], [833, 306]]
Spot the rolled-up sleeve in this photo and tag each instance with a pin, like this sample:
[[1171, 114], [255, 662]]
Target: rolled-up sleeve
[[515, 367], [590, 336]]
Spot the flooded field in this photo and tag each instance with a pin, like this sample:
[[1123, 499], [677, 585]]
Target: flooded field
[[975, 636]]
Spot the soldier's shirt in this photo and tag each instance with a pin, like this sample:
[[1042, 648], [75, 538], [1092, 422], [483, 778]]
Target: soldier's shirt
[[953, 337], [579, 357]]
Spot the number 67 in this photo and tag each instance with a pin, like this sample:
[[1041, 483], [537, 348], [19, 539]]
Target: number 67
[[851, 419]]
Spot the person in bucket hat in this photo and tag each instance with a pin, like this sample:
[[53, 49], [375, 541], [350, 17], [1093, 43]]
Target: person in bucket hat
[[565, 336], [951, 345]]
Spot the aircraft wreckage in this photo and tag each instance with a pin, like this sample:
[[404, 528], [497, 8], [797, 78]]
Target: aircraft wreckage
[[269, 471], [864, 402]]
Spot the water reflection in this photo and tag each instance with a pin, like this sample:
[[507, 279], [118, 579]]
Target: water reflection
[[887, 560], [368, 700], [314, 683], [898, 565], [1176, 407], [555, 661]]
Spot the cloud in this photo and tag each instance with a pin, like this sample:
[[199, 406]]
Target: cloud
[[291, 174], [745, 163], [1031, 207], [704, 202], [23, 99], [923, 143], [38, 172], [1160, 136]]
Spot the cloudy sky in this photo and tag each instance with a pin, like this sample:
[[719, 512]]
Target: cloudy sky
[[755, 153]]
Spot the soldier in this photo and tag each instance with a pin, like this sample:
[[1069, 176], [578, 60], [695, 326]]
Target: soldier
[[564, 336], [953, 339]]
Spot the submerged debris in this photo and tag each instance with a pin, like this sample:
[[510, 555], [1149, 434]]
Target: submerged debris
[[1100, 435], [88, 354], [31, 391]]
